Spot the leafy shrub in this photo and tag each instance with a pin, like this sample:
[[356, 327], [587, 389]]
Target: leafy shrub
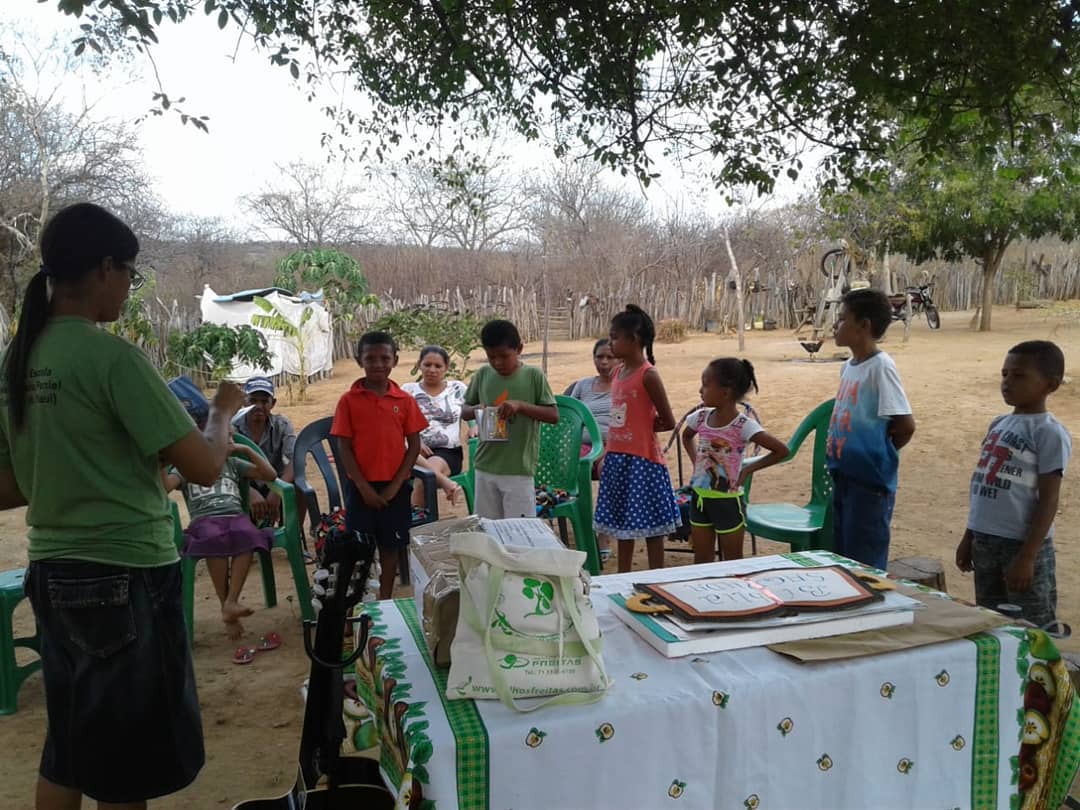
[[337, 274], [207, 353], [134, 322], [276, 320], [416, 327]]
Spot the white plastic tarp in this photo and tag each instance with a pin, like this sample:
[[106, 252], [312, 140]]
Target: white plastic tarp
[[318, 331]]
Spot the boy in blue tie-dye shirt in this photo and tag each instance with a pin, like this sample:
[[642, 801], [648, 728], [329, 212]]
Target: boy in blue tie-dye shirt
[[870, 423]]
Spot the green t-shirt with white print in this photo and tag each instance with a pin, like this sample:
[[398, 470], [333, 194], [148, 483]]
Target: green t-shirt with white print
[[86, 459]]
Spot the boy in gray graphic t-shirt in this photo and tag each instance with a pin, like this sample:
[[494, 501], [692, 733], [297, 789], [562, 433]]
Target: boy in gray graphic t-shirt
[[1015, 487]]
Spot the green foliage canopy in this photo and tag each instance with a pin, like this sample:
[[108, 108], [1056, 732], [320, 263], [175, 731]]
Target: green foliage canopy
[[743, 81], [973, 201]]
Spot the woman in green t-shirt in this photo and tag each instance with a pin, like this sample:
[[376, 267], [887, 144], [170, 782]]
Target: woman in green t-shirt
[[85, 424]]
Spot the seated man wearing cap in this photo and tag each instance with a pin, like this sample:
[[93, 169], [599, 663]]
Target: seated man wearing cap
[[275, 436]]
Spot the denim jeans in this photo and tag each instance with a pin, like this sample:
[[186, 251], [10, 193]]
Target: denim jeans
[[861, 519]]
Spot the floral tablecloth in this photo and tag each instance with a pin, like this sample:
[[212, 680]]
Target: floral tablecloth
[[938, 726]]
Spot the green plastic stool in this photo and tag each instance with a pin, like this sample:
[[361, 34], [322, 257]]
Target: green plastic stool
[[11, 674]]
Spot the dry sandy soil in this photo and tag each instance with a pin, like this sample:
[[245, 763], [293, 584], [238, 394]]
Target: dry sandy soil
[[252, 714]]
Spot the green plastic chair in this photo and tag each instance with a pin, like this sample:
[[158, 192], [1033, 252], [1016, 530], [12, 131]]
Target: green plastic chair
[[803, 527], [465, 479], [11, 673], [561, 466], [286, 536]]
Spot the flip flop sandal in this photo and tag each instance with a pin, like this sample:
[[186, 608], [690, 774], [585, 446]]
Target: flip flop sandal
[[243, 655], [271, 641]]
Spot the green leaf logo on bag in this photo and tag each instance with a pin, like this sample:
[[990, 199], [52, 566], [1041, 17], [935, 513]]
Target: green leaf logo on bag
[[511, 661], [501, 623], [542, 592]]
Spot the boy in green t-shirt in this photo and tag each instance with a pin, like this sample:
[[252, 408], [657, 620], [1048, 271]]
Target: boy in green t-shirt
[[521, 396]]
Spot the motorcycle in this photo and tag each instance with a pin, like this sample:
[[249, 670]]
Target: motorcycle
[[922, 303]]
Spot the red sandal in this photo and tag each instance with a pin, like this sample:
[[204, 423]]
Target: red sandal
[[243, 655], [271, 641]]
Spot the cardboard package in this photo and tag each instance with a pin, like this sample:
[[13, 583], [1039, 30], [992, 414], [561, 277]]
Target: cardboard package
[[434, 570], [941, 619]]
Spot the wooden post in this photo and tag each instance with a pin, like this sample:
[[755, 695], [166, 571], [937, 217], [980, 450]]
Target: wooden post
[[547, 312], [887, 271], [741, 322], [907, 316]]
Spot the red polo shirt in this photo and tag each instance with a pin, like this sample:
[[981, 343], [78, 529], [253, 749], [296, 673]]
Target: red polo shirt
[[377, 426]]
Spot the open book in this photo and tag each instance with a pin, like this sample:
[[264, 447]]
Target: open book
[[776, 592]]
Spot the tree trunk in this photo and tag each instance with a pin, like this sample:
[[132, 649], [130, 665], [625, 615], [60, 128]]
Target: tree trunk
[[886, 272], [990, 261], [741, 327]]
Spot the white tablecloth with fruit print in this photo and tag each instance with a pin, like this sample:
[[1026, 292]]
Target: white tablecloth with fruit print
[[931, 727]]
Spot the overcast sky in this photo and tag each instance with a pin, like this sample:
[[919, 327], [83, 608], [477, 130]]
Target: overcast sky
[[258, 117]]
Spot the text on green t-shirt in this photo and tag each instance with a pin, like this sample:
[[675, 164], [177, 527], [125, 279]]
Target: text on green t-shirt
[[86, 459]]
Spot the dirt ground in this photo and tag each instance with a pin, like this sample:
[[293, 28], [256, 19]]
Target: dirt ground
[[252, 714]]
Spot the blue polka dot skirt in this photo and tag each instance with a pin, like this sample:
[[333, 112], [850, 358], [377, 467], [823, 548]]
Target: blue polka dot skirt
[[635, 498]]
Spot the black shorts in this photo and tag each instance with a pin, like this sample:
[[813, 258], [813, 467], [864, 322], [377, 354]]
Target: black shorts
[[723, 513], [123, 715], [389, 526], [453, 456]]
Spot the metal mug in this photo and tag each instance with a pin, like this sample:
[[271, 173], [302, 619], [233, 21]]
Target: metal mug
[[489, 427]]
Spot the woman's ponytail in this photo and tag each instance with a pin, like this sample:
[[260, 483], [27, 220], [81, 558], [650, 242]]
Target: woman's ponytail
[[74, 243], [32, 319]]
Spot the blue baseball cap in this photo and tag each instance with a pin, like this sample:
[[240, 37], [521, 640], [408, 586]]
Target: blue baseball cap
[[192, 398], [259, 385]]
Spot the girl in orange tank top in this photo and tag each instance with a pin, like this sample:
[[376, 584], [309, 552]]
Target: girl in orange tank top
[[635, 497]]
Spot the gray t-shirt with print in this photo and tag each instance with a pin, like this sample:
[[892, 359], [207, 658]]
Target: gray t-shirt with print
[[222, 498], [1018, 448], [599, 402]]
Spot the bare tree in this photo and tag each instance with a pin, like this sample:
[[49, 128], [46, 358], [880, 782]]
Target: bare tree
[[414, 204], [472, 202], [204, 243], [311, 205], [581, 221], [56, 152]]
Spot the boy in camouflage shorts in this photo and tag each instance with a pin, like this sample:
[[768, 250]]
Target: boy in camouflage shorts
[[1015, 487]]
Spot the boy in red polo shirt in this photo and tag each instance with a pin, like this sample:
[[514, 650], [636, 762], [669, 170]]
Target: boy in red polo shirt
[[378, 426]]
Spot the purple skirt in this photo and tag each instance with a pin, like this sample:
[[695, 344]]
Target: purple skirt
[[225, 536]]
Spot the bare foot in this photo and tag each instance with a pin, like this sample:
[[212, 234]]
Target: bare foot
[[234, 630], [452, 494], [231, 613]]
